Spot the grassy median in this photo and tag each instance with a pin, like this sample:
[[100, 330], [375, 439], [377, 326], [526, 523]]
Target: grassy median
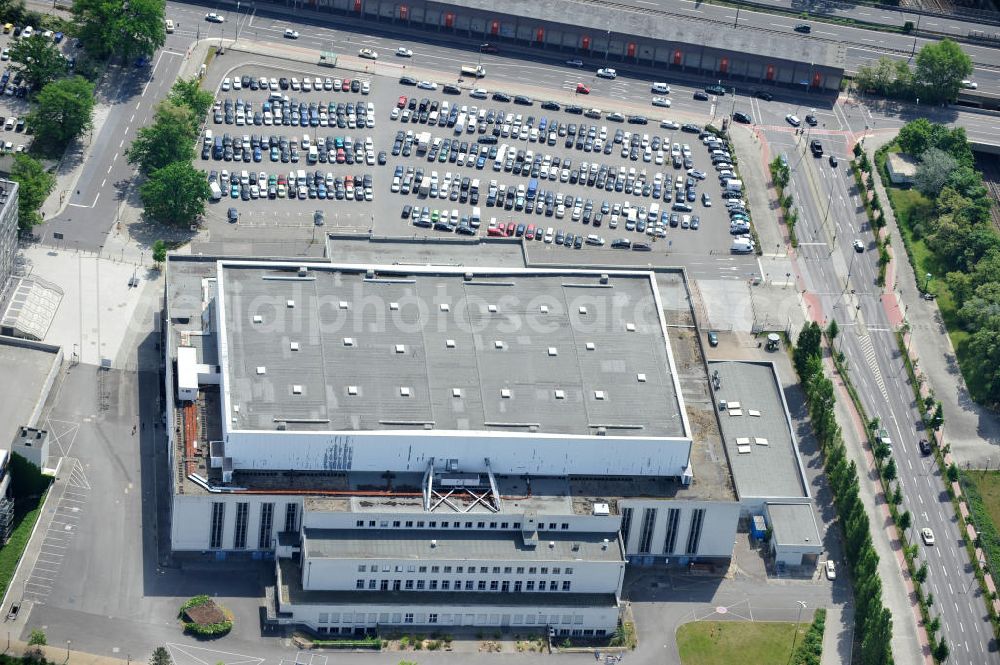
[[728, 642]]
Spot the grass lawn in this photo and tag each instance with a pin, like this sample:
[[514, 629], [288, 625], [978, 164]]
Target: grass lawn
[[988, 484], [25, 515], [985, 508], [728, 642]]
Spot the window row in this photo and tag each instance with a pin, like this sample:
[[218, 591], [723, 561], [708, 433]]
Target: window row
[[563, 632], [483, 570], [447, 524], [462, 585], [421, 618]]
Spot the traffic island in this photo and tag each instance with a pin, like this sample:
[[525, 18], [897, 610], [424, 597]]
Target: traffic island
[[204, 618]]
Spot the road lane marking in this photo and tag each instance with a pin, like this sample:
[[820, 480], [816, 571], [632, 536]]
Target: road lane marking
[[104, 182], [138, 103], [132, 119], [122, 143]]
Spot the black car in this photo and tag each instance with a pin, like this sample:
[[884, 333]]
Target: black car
[[833, 161], [233, 215], [701, 96], [804, 28], [925, 446], [717, 90], [407, 209], [642, 247], [501, 97], [638, 120], [740, 116], [407, 80], [551, 106], [283, 83], [450, 89], [763, 94], [811, 120], [575, 110], [523, 101], [621, 243], [691, 128]]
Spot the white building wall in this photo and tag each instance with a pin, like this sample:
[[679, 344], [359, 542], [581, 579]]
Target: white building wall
[[191, 521], [418, 520], [411, 450], [332, 618], [321, 574], [718, 530]]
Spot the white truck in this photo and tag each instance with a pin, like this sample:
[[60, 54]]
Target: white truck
[[742, 246], [423, 142], [734, 185], [477, 71]]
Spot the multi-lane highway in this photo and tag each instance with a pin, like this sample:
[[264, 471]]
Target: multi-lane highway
[[842, 284]]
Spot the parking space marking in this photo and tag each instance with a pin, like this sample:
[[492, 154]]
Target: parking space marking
[[186, 654]]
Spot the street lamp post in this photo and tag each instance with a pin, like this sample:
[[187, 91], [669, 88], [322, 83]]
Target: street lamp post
[[795, 633], [914, 49], [927, 282], [737, 16]]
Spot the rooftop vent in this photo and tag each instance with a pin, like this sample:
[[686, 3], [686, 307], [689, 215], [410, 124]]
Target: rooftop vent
[[553, 351], [492, 309], [400, 348], [583, 310], [591, 346], [344, 304], [505, 393], [352, 390], [630, 327], [604, 278], [261, 370], [456, 392], [560, 394], [434, 543], [576, 547], [600, 394], [450, 343], [604, 545], [498, 344], [303, 271], [544, 309], [641, 378], [294, 346], [445, 307], [257, 318], [289, 303], [296, 389], [468, 276], [394, 306], [552, 544], [370, 273], [404, 391], [602, 431], [348, 341]]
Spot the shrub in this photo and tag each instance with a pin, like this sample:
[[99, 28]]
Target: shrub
[[207, 628]]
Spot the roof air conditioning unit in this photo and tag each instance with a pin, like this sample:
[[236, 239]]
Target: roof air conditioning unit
[[552, 544], [370, 274], [604, 545], [434, 543], [303, 270], [468, 277], [604, 278]]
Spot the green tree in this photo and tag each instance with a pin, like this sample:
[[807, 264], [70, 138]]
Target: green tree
[[159, 251], [65, 109], [807, 347], [941, 66], [37, 638], [921, 573], [941, 651], [34, 186], [188, 92], [890, 470], [160, 657], [169, 139], [905, 520], [936, 168], [984, 359], [38, 60], [116, 27], [937, 420], [916, 136], [175, 194]]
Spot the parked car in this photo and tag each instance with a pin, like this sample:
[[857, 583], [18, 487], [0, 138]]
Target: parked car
[[212, 17], [804, 28], [607, 73], [368, 54], [831, 570], [403, 52], [291, 34]]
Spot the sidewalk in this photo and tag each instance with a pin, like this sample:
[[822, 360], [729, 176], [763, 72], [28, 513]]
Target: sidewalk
[[972, 431]]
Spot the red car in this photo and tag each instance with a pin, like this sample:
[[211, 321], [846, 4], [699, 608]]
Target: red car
[[346, 86], [511, 227], [530, 233], [402, 102], [581, 89], [341, 156], [496, 231]]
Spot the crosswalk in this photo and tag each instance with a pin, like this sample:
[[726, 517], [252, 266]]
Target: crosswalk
[[869, 350]]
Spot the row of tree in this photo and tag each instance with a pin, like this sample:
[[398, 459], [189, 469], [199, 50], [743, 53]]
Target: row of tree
[[940, 69], [873, 619], [174, 191], [958, 231]]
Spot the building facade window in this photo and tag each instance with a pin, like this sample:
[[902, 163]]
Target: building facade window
[[517, 586], [218, 521], [408, 618], [626, 525], [240, 532], [409, 585], [432, 618], [566, 585], [670, 541], [694, 537], [266, 523], [529, 585], [372, 584], [445, 585], [360, 584], [292, 517], [646, 534], [482, 585]]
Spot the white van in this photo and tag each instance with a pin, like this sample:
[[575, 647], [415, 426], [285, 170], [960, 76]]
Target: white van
[[742, 246], [476, 218], [654, 212], [300, 179], [170, 26], [216, 191], [208, 137]]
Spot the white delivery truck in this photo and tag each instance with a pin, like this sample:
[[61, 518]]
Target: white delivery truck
[[423, 143], [216, 191], [734, 185], [742, 246], [477, 71]]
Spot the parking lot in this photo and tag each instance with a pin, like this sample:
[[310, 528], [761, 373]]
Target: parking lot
[[407, 157], [14, 104]]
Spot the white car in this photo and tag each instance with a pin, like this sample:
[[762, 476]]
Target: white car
[[831, 570], [595, 240], [669, 124], [793, 120], [212, 17], [226, 83], [5, 55], [927, 536], [366, 87], [427, 85], [969, 84], [607, 73], [661, 101], [291, 34], [575, 63], [479, 93], [403, 52], [661, 88], [368, 53]]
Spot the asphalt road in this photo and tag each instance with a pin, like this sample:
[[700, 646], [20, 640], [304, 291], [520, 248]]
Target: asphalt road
[[883, 16], [843, 283]]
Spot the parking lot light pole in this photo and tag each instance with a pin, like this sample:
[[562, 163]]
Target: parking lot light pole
[[795, 633]]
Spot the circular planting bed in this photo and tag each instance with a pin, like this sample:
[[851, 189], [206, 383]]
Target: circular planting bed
[[203, 617]]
